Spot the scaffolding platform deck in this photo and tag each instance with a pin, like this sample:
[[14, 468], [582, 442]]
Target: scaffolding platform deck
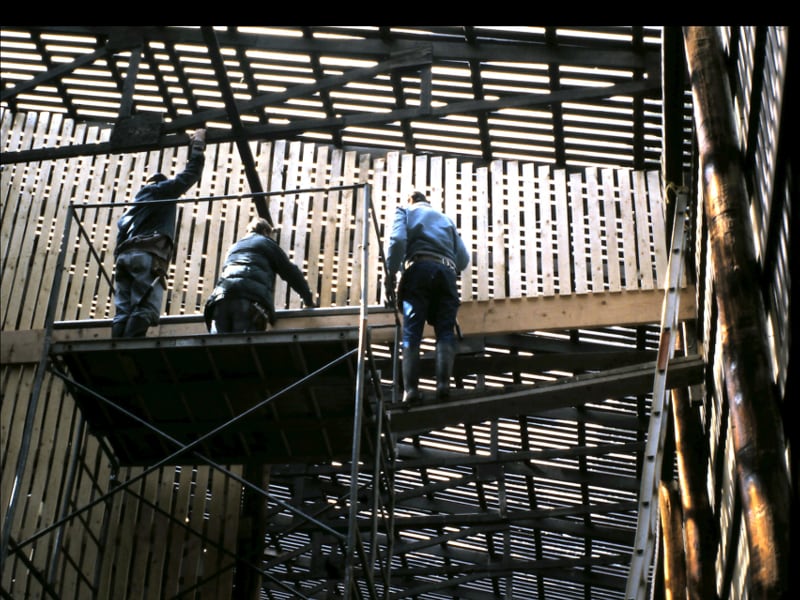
[[273, 397]]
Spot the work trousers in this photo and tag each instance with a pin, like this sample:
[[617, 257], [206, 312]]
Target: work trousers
[[138, 291], [237, 315], [428, 293]]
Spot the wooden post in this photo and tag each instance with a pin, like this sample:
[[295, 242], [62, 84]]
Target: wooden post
[[672, 541], [756, 430], [699, 532], [251, 537]]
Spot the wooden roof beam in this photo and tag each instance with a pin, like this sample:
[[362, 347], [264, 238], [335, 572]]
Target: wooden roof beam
[[245, 153], [274, 132]]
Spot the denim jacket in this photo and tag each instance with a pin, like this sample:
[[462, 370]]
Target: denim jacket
[[421, 229]]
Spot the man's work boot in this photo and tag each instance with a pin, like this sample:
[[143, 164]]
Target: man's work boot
[[118, 328], [137, 327], [445, 357], [411, 375]]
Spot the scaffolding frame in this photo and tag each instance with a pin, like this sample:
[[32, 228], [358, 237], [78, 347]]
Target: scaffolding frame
[[352, 544]]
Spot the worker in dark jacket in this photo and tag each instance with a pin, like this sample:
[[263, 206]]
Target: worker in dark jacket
[[427, 245], [244, 297], [145, 238]]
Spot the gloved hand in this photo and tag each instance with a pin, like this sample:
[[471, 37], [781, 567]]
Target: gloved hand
[[199, 135], [389, 285], [198, 139]]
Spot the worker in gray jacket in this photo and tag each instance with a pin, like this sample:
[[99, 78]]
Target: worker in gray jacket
[[145, 238], [244, 296], [425, 245]]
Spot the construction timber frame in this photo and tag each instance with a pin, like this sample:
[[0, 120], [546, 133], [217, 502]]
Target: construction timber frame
[[620, 422], [297, 394]]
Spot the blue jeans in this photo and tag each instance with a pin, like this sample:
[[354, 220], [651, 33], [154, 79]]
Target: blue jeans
[[135, 294], [429, 293]]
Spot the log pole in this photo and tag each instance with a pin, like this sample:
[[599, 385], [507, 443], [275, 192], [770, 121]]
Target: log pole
[[756, 426]]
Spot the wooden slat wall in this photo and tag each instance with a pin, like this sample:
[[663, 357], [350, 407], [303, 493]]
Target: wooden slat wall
[[531, 230]]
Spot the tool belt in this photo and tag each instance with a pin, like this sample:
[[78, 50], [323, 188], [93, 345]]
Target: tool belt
[[157, 244], [450, 264]]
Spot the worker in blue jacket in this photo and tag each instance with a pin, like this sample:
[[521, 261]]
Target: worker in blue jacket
[[426, 246], [244, 296], [144, 246]]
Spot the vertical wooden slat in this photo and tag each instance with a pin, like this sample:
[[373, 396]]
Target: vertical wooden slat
[[105, 246], [22, 205], [13, 204], [24, 239], [6, 124], [197, 250], [421, 174], [143, 533], [482, 233], [53, 235], [392, 189], [346, 236], [515, 206], [317, 208], [78, 254], [363, 174], [497, 230], [176, 541], [226, 507], [461, 180], [628, 230], [63, 417], [11, 128], [276, 181], [594, 227], [91, 223], [160, 525], [34, 511], [530, 232], [192, 234], [175, 294], [546, 230], [377, 238], [114, 576], [642, 215], [656, 204], [86, 534], [17, 380], [98, 291], [217, 241], [579, 233], [193, 547], [328, 251], [562, 233], [299, 253], [610, 231], [356, 268], [407, 177], [436, 193], [287, 223]]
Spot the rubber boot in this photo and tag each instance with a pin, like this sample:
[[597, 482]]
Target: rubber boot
[[445, 357], [118, 328], [136, 327], [411, 375]]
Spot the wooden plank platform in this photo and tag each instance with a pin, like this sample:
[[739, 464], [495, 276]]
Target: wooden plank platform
[[275, 397]]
